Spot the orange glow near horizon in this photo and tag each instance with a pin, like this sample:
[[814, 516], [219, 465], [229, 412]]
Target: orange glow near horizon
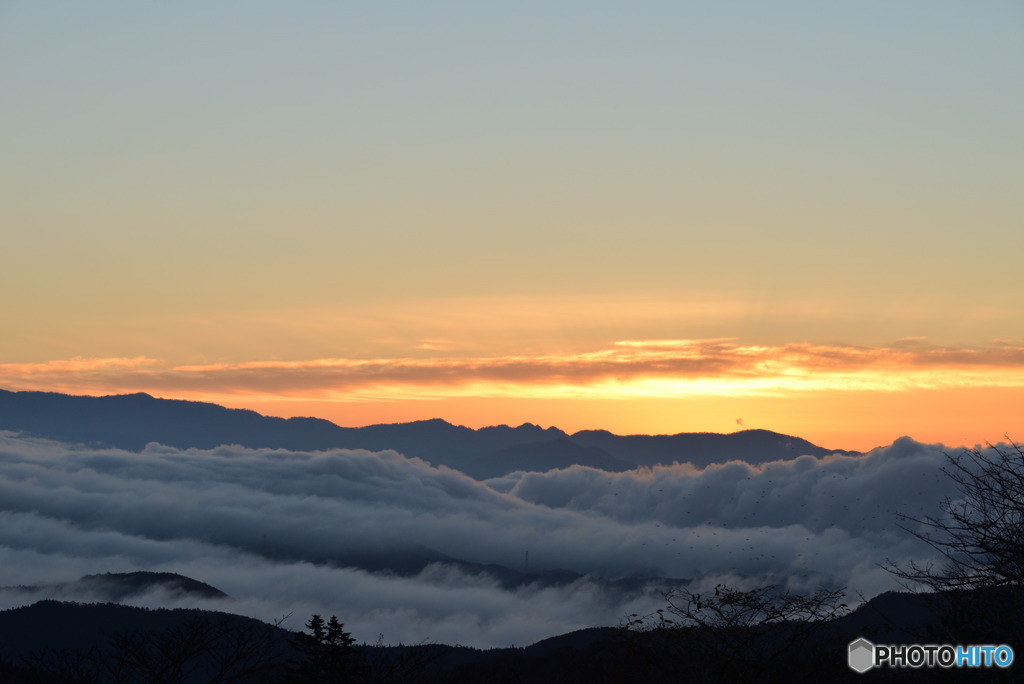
[[833, 420], [838, 396], [488, 216]]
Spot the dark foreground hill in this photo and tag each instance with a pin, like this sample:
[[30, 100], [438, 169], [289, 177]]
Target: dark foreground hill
[[51, 641], [131, 421]]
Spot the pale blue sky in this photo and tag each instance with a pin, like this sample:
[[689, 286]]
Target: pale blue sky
[[846, 171], [766, 137]]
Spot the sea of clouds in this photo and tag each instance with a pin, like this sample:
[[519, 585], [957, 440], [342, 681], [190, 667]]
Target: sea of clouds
[[279, 530]]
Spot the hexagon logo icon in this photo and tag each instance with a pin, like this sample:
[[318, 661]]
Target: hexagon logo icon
[[862, 655]]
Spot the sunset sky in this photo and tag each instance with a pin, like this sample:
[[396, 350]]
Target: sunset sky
[[648, 217]]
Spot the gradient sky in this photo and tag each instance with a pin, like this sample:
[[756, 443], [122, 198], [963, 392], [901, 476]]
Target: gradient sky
[[646, 217]]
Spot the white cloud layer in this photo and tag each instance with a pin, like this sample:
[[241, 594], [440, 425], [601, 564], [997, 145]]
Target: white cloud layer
[[280, 530]]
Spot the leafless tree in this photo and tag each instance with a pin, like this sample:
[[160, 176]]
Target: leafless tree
[[730, 634], [978, 576], [979, 534]]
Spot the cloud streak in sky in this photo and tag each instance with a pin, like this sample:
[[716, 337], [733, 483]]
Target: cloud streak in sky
[[285, 531], [626, 369]]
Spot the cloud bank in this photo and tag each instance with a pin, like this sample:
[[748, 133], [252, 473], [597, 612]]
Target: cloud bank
[[282, 531], [632, 368]]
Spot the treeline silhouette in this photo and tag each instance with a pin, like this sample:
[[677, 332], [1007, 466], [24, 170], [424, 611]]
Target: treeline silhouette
[[791, 638]]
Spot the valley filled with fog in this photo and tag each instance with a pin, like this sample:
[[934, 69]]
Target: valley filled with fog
[[395, 546]]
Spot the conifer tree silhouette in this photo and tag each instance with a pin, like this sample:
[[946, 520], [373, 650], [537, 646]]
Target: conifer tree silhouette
[[328, 653]]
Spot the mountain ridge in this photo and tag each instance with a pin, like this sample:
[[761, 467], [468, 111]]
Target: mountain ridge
[[130, 421], [120, 586]]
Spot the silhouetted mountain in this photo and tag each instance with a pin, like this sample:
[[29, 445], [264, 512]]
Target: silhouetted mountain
[[539, 456], [701, 448], [131, 421], [770, 654], [52, 641], [121, 586], [989, 615]]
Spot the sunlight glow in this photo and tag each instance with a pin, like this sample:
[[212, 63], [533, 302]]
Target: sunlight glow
[[626, 370]]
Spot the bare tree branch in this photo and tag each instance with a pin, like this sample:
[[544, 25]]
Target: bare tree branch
[[979, 535]]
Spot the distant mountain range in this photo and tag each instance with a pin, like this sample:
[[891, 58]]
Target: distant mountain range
[[120, 587], [130, 421], [58, 639]]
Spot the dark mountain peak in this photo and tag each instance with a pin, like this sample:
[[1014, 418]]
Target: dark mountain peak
[[759, 433], [702, 448], [131, 421], [140, 396], [433, 422], [433, 428], [118, 586], [533, 427], [306, 421], [436, 424], [796, 444], [529, 431], [142, 581]]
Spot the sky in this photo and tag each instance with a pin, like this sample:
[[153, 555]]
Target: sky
[[649, 217], [276, 529]]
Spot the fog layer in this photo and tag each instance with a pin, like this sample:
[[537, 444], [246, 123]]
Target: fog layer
[[286, 531]]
